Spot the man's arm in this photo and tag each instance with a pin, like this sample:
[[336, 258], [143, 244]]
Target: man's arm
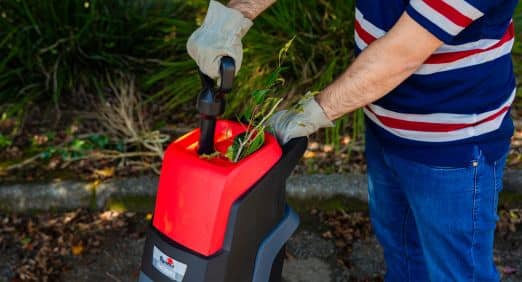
[[250, 8], [380, 68]]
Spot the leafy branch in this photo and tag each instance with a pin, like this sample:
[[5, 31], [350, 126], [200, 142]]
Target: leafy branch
[[258, 112]]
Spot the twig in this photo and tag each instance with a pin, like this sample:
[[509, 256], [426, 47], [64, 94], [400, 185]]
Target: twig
[[113, 277], [256, 129], [35, 157], [24, 162], [110, 155], [125, 117]]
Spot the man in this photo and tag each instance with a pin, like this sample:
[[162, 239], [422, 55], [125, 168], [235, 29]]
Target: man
[[436, 82]]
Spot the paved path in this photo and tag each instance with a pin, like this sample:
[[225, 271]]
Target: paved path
[[311, 259]]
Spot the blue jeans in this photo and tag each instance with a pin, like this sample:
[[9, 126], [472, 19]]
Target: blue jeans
[[434, 223]]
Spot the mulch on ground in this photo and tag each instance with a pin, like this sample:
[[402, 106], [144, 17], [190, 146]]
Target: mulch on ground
[[41, 247]]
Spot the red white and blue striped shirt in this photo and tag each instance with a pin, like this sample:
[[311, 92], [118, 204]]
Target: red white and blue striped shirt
[[460, 97]]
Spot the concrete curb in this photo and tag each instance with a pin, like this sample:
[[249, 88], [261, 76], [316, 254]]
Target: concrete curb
[[144, 186], [66, 195], [327, 185], [45, 196]]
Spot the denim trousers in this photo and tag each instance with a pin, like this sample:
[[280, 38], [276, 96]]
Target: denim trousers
[[434, 223]]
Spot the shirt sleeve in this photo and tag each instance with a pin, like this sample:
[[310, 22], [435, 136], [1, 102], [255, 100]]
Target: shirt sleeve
[[445, 19]]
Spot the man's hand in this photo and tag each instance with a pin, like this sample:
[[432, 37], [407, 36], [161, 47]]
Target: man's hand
[[221, 33], [302, 120]]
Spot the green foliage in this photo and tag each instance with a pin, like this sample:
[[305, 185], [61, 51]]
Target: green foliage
[[56, 48], [53, 48], [320, 33], [99, 141], [77, 147], [4, 141]]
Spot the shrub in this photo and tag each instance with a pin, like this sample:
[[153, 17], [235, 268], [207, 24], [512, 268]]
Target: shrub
[[55, 47]]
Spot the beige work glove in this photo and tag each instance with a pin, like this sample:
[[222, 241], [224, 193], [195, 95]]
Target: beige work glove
[[304, 119], [219, 35]]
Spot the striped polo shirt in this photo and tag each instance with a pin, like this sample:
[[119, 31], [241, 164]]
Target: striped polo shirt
[[459, 99]]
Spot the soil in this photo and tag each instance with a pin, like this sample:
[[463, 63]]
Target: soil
[[85, 245]]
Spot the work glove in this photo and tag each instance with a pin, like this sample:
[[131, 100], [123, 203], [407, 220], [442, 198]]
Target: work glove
[[302, 120], [220, 35]]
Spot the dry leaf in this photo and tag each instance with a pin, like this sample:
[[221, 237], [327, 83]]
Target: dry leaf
[[77, 250], [508, 270], [105, 172]]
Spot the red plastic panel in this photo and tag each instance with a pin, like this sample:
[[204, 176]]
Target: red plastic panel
[[195, 194]]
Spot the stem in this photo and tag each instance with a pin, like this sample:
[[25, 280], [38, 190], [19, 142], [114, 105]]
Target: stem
[[256, 129], [245, 141], [37, 156]]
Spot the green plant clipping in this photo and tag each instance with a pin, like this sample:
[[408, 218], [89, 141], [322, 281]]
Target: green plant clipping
[[254, 137], [258, 112], [242, 147], [257, 142]]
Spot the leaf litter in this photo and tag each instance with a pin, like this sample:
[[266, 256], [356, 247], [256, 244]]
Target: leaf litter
[[45, 243]]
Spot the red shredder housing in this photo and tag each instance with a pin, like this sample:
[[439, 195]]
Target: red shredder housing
[[195, 194]]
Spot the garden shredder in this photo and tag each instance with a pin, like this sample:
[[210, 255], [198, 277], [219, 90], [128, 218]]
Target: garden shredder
[[215, 220]]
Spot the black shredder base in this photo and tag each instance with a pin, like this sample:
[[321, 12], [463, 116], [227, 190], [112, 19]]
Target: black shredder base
[[259, 225]]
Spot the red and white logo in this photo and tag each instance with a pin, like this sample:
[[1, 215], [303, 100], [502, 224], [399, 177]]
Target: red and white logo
[[170, 261], [168, 266]]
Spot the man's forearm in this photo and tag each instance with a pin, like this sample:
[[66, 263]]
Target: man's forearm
[[379, 68], [250, 8], [374, 73]]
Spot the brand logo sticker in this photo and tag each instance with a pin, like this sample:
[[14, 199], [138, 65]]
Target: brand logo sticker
[[168, 266]]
